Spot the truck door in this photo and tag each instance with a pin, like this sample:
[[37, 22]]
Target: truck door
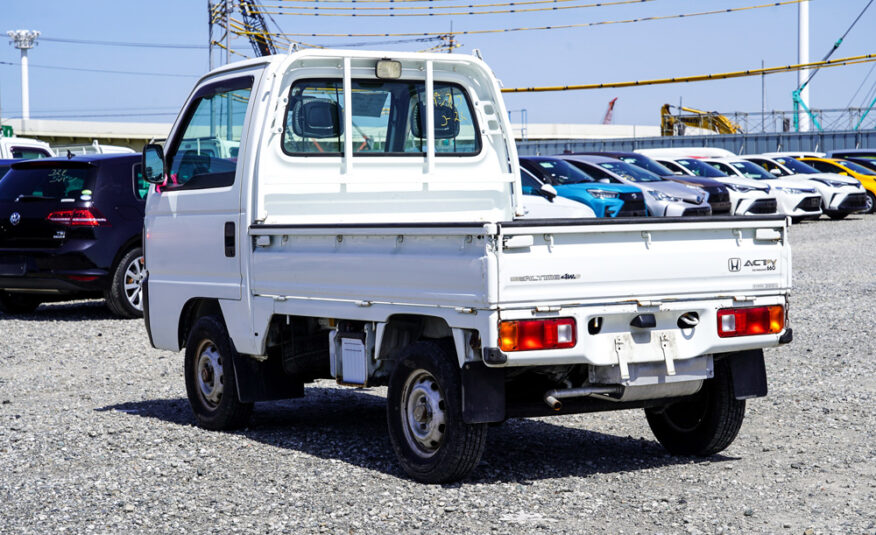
[[192, 247]]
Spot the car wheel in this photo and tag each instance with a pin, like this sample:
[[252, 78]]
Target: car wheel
[[703, 425], [210, 380], [836, 216], [424, 416], [870, 207], [16, 303], [124, 297]]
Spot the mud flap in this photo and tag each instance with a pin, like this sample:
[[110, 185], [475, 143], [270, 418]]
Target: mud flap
[[264, 381], [483, 393], [748, 373]]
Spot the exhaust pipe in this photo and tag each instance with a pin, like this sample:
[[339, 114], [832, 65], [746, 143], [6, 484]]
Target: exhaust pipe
[[553, 397]]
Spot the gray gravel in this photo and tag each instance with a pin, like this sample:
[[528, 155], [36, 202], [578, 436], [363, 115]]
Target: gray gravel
[[96, 436]]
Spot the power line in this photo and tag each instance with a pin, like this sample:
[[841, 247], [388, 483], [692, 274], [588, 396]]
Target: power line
[[430, 11], [539, 28], [105, 71], [119, 43], [854, 60], [456, 6]]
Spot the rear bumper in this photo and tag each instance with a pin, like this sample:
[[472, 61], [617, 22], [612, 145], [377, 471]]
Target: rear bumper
[[70, 269]]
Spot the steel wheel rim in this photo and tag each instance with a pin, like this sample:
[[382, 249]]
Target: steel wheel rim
[[209, 374], [423, 414], [135, 272]]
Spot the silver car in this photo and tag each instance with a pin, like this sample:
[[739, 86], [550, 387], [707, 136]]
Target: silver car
[[662, 197]]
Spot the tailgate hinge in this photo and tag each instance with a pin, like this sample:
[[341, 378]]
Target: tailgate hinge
[[667, 354], [622, 364]]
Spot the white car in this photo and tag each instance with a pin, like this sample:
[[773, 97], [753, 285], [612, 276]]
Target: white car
[[540, 201], [840, 195], [686, 152], [747, 196], [797, 198]]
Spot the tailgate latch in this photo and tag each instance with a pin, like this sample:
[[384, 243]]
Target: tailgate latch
[[622, 364], [667, 354]]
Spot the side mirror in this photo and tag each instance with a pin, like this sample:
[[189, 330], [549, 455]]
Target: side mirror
[[678, 173], [548, 192], [775, 171], [153, 164], [604, 181]]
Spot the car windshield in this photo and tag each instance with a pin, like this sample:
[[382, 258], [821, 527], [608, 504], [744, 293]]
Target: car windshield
[[860, 169], [752, 170], [561, 172], [630, 172], [701, 169], [56, 183], [646, 163], [797, 166], [530, 184]]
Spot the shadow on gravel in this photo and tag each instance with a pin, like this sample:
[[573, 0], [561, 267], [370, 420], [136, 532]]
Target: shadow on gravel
[[65, 311], [350, 425]]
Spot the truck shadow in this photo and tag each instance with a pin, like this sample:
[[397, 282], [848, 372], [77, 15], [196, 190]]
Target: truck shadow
[[350, 425]]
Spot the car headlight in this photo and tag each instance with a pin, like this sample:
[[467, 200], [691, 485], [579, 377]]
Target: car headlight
[[795, 191], [603, 194], [740, 189], [833, 183], [660, 196]]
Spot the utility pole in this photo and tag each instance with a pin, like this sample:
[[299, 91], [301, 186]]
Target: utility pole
[[24, 40], [803, 57], [762, 99]]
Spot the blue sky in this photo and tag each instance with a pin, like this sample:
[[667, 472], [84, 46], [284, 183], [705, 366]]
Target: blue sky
[[616, 52]]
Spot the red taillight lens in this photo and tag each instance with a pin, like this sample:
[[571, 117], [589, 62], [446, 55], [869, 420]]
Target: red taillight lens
[[83, 217], [529, 335], [751, 321]]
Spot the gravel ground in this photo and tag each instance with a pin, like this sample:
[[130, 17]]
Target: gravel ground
[[96, 436]]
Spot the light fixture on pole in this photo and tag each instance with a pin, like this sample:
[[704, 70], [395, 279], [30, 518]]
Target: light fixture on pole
[[24, 40]]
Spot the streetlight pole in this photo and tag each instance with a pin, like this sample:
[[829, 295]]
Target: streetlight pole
[[24, 40]]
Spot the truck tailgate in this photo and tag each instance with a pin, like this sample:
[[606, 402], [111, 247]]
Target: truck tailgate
[[556, 263]]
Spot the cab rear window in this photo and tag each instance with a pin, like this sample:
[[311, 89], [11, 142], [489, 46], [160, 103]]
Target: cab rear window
[[388, 118], [50, 183]]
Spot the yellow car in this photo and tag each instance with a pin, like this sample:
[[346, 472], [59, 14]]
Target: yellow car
[[867, 177]]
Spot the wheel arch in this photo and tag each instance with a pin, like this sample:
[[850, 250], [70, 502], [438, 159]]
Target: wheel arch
[[194, 309]]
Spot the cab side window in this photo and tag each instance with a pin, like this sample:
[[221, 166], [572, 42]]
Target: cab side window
[[205, 156]]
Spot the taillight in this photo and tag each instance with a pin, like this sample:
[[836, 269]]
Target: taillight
[[82, 217], [751, 321], [528, 335]]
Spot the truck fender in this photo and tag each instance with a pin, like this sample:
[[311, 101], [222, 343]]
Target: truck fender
[[748, 373]]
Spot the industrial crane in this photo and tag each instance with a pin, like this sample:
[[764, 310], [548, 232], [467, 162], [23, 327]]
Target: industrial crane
[[257, 28]]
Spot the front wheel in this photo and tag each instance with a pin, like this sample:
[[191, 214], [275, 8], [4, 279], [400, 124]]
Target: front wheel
[[870, 206], [704, 424], [210, 381], [836, 216], [424, 415]]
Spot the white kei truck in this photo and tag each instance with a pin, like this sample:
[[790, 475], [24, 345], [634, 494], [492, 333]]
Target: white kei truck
[[355, 216]]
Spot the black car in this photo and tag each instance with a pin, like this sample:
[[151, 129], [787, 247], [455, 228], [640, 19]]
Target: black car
[[719, 197], [71, 228]]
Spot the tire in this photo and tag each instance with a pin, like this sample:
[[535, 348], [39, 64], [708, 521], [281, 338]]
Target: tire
[[16, 303], [424, 416], [871, 203], [124, 297], [210, 380], [836, 216], [703, 425]]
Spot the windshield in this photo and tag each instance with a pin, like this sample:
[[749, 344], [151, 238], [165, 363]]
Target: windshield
[[630, 172], [56, 183], [752, 170], [860, 169], [699, 168], [647, 163], [559, 172], [797, 166]]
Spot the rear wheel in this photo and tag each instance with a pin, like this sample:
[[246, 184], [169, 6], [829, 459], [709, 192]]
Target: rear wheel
[[424, 415], [124, 297], [703, 425], [210, 381], [16, 303]]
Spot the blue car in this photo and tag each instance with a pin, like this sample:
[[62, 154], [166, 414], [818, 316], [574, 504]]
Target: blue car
[[607, 199]]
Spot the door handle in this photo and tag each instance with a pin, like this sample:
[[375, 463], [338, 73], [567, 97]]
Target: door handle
[[229, 239]]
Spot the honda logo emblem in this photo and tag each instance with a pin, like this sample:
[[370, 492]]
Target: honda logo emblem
[[734, 264], [15, 218]]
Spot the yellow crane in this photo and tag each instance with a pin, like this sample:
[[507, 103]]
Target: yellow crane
[[672, 125]]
